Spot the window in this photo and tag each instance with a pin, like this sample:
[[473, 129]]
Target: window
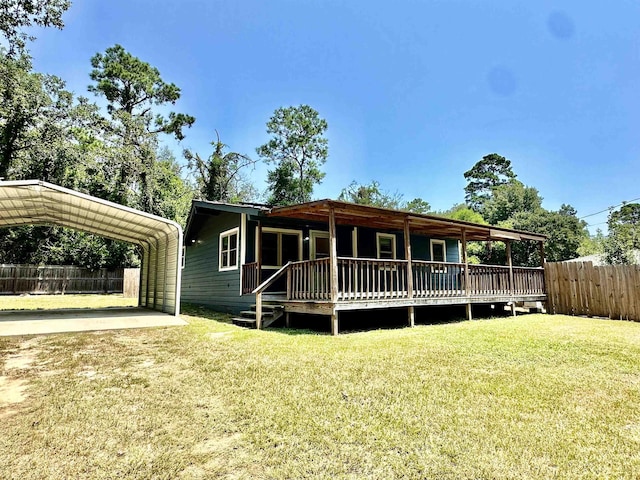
[[228, 250], [438, 251], [319, 247], [280, 246], [386, 246]]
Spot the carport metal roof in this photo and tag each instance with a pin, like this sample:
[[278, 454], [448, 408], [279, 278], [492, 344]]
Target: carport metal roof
[[34, 202]]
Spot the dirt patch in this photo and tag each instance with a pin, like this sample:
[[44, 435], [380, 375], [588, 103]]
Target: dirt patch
[[21, 361], [12, 391]]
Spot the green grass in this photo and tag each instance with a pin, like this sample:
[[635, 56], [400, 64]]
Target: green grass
[[48, 302], [529, 397]]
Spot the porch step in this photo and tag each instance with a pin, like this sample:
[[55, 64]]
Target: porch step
[[270, 313]]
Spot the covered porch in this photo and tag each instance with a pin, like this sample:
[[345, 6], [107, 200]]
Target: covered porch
[[329, 285]]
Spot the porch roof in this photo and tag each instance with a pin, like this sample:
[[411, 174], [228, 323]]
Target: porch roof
[[388, 219]]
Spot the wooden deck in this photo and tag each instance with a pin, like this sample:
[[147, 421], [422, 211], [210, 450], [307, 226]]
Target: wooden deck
[[364, 283]]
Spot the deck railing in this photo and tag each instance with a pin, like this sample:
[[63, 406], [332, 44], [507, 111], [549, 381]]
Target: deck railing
[[250, 277], [363, 279], [309, 280], [373, 279], [528, 280], [438, 279]]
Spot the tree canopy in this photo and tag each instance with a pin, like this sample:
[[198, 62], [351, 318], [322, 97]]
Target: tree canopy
[[297, 149], [16, 15], [372, 194], [624, 235], [488, 173], [220, 176]]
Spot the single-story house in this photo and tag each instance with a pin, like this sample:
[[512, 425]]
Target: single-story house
[[327, 256]]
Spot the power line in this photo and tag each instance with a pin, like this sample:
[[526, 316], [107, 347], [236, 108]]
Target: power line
[[624, 202]]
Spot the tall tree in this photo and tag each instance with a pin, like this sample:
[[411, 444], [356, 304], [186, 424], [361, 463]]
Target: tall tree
[[488, 173], [133, 89], [220, 177], [16, 15], [298, 150], [624, 235]]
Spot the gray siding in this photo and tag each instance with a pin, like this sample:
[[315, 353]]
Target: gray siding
[[202, 283]]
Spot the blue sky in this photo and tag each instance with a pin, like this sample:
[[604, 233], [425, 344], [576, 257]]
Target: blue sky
[[415, 92]]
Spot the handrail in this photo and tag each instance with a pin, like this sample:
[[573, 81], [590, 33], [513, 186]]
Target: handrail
[[262, 287]]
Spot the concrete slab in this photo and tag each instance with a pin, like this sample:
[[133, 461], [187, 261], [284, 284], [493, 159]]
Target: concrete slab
[[42, 322]]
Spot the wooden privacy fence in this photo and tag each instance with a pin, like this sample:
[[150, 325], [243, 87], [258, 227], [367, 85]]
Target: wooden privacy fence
[[33, 279], [580, 288]]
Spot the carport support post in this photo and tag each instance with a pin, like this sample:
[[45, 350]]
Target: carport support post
[[407, 257]]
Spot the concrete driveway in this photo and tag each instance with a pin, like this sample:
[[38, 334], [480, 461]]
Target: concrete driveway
[[41, 322]]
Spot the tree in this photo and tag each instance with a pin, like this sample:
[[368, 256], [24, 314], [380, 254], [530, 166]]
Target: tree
[[464, 213], [43, 129], [592, 245], [298, 150], [490, 172], [564, 230], [15, 15], [508, 199], [220, 177], [624, 235], [133, 88], [172, 193], [417, 205], [372, 194]]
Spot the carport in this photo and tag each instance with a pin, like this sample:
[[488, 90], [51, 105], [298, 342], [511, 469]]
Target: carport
[[34, 202]]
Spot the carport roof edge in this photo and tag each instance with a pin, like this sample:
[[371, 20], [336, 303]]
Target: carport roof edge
[[39, 202]]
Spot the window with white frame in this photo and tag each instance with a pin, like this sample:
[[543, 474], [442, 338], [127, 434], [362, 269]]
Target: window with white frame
[[386, 246], [228, 250], [438, 251]]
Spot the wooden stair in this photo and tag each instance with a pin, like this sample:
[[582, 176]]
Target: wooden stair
[[270, 313]]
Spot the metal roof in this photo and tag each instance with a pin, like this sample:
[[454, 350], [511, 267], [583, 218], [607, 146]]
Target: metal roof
[[34, 202]]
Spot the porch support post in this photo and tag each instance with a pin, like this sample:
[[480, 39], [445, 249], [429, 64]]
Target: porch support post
[[407, 256], [333, 255], [333, 262], [334, 322], [259, 251], [541, 247], [465, 260], [511, 286], [259, 279]]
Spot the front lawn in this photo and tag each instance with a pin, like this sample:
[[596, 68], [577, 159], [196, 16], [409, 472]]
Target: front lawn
[[49, 302], [529, 397]]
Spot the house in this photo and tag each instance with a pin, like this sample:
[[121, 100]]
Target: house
[[326, 256]]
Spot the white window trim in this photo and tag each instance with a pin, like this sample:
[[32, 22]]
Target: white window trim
[[279, 230], [435, 269], [228, 233], [313, 234], [393, 244]]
